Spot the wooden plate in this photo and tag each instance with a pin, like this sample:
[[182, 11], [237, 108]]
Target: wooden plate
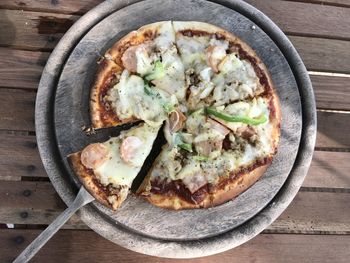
[[138, 225]]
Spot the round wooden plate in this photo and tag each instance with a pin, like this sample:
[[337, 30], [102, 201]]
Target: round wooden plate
[[138, 225]]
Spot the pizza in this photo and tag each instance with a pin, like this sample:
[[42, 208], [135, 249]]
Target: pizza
[[203, 89], [108, 169]]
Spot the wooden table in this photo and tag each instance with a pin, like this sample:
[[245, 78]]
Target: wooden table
[[315, 227]]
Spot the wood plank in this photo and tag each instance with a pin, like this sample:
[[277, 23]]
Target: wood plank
[[331, 126], [19, 157], [43, 31], [329, 170], [55, 6], [17, 109], [25, 194], [311, 212], [332, 130], [87, 246], [331, 92], [343, 3], [327, 55], [315, 212], [307, 19], [32, 30], [21, 69], [24, 160]]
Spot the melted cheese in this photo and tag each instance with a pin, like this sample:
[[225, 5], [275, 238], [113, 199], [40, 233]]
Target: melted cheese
[[173, 81], [143, 62], [252, 109], [192, 50], [230, 79], [129, 99], [166, 36], [114, 170], [237, 80]]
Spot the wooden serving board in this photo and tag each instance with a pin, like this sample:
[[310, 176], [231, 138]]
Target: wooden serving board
[[138, 225]]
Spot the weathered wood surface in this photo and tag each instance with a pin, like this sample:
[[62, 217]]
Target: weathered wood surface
[[327, 55], [330, 130], [41, 31], [307, 19], [341, 3], [333, 130], [17, 109], [21, 69], [33, 30], [321, 21], [311, 212], [329, 171], [319, 30], [86, 246], [19, 157], [57, 6], [329, 92]]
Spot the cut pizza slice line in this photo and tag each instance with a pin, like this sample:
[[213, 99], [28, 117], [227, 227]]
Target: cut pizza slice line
[[216, 98], [108, 169], [142, 78], [227, 150]]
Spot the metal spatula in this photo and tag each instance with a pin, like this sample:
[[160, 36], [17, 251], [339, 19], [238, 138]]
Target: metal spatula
[[82, 198]]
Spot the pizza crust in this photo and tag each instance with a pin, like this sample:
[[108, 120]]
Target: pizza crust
[[110, 65], [236, 186], [90, 182], [217, 197]]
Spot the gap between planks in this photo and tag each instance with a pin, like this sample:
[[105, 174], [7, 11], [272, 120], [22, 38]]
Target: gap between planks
[[44, 29], [337, 3], [87, 246], [310, 212]]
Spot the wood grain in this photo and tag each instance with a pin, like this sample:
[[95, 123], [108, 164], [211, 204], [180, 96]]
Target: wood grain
[[331, 126], [55, 6], [329, 170], [19, 157], [17, 109], [87, 246], [307, 19], [342, 3], [21, 69], [41, 31], [331, 92], [310, 212], [32, 30], [314, 212], [327, 55], [332, 130], [39, 195]]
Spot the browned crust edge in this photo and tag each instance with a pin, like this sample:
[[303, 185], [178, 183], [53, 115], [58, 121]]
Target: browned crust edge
[[109, 65], [87, 178], [244, 181], [218, 197], [99, 115]]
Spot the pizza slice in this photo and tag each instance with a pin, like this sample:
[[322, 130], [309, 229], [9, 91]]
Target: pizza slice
[[140, 78], [216, 98], [229, 129], [108, 169], [218, 154], [220, 68]]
